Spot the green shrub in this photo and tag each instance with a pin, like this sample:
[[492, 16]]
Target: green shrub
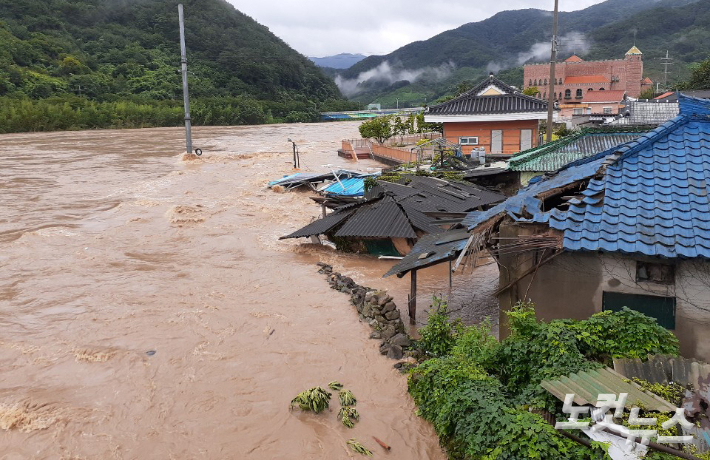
[[476, 390], [439, 335], [624, 334]]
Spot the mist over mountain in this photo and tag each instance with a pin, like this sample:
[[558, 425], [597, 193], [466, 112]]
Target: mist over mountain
[[510, 39], [339, 61]]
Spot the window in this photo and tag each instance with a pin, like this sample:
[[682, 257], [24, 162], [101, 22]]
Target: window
[[607, 110], [545, 95], [601, 89], [560, 96], [578, 112], [545, 81], [535, 84], [655, 273], [661, 308], [579, 94], [568, 94], [530, 82], [468, 140], [560, 82], [590, 89]]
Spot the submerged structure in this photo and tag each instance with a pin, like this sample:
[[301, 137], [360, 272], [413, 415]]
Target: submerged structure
[[394, 216]]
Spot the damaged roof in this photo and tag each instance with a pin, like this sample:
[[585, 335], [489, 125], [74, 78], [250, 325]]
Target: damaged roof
[[397, 211], [555, 155], [653, 198], [429, 194], [473, 102], [431, 250]]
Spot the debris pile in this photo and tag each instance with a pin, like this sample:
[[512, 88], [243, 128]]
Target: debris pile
[[377, 309]]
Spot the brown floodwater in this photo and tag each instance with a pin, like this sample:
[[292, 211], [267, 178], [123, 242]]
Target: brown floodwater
[[148, 309]]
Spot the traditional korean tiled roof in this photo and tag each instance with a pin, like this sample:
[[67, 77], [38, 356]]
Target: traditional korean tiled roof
[[653, 198], [470, 103], [604, 96], [555, 155], [586, 79]]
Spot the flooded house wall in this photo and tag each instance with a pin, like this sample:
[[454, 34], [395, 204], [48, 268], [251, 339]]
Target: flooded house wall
[[572, 285]]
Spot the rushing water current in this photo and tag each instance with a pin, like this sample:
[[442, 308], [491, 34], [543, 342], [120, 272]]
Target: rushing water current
[[148, 309]]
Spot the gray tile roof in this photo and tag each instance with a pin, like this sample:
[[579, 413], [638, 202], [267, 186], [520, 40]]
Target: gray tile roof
[[470, 103]]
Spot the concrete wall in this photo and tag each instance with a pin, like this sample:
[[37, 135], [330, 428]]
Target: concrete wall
[[572, 286], [511, 134]]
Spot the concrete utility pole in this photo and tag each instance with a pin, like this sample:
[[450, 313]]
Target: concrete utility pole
[[186, 96], [553, 62], [666, 62]]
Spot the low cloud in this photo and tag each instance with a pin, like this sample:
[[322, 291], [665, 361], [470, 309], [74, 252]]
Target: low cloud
[[573, 42], [387, 73]]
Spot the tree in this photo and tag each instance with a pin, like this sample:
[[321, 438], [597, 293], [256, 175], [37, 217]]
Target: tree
[[648, 93], [379, 129], [699, 77], [464, 87], [531, 91]]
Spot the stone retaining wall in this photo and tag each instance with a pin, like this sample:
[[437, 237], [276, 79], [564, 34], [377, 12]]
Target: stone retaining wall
[[377, 309]]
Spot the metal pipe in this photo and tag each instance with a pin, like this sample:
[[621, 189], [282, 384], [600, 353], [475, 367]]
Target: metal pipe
[[186, 96]]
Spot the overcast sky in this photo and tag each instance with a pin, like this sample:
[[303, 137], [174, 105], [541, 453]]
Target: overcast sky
[[323, 28]]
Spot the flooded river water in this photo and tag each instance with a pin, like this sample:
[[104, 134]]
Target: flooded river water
[[148, 309]]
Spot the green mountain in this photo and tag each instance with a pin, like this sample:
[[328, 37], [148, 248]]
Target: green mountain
[[512, 38], [94, 52]]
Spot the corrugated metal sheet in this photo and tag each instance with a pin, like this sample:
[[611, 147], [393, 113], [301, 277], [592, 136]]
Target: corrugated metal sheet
[[470, 103], [431, 250], [664, 368], [354, 186], [653, 200], [587, 386], [320, 226], [553, 156], [384, 219]]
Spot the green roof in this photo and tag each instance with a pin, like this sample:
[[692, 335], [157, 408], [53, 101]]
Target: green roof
[[584, 144]]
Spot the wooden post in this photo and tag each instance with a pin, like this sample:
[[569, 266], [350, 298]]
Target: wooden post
[[413, 298]]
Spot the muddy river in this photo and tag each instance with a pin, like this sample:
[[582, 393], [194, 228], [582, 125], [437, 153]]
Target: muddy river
[[148, 309]]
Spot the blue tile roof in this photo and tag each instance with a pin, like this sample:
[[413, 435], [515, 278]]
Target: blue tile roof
[[653, 200], [648, 197]]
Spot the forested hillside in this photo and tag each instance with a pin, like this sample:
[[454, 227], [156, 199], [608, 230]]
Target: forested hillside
[[509, 39], [107, 56]]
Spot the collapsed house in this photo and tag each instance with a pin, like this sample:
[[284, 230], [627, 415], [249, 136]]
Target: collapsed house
[[629, 227], [392, 217]]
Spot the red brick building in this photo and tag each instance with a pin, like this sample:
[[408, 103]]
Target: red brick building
[[574, 78], [493, 116]]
